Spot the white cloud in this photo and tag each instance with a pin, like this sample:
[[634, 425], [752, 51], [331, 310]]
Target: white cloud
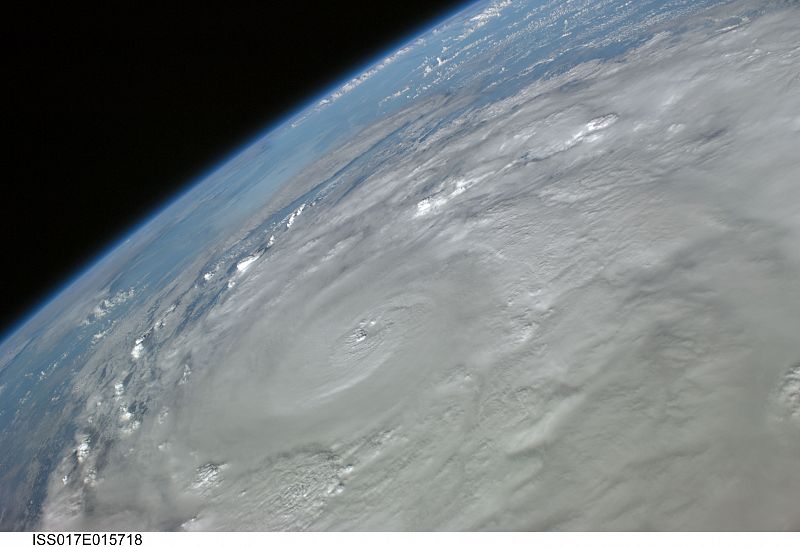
[[597, 329]]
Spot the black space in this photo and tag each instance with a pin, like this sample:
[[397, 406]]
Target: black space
[[110, 109]]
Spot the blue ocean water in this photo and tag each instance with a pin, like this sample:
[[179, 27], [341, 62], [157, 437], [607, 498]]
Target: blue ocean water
[[480, 54]]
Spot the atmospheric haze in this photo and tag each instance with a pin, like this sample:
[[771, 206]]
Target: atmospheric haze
[[576, 307]]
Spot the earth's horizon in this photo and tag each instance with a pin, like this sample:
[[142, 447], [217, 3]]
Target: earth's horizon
[[538, 269]]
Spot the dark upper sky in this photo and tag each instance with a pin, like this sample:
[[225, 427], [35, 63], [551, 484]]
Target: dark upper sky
[[110, 109]]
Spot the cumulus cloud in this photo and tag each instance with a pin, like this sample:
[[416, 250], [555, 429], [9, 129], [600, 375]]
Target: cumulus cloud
[[593, 325]]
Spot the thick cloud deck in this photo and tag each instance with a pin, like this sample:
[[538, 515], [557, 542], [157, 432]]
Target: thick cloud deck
[[573, 307]]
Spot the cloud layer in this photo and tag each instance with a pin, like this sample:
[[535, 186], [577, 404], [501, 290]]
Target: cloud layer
[[573, 308]]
